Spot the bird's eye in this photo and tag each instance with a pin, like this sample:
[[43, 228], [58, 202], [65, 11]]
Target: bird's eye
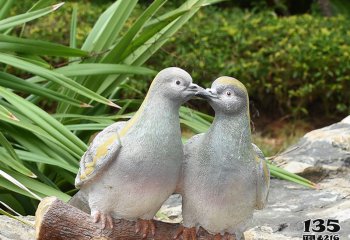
[[228, 93], [178, 82]]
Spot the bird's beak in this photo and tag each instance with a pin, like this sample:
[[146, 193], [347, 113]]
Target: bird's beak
[[194, 88], [207, 93]]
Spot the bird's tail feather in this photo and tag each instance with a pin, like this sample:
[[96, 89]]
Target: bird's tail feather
[[79, 200]]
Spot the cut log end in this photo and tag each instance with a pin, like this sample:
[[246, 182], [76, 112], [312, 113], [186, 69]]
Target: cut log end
[[55, 219]]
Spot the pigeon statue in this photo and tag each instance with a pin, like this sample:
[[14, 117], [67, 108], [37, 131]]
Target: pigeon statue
[[132, 167], [225, 176]]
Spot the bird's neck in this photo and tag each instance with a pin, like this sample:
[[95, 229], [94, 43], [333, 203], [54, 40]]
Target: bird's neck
[[232, 133], [155, 113]]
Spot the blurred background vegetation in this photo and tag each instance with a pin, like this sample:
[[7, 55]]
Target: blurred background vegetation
[[293, 56]]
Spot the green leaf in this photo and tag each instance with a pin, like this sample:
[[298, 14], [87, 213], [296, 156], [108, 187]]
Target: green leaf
[[33, 157], [35, 59], [5, 7], [29, 46], [87, 126], [26, 17], [73, 28], [15, 83], [30, 185], [14, 161], [18, 184], [55, 77], [88, 69], [45, 121], [113, 25], [7, 114], [115, 54]]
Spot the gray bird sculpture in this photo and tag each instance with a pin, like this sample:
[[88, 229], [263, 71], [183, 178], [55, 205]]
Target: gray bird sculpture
[[225, 176], [132, 167]]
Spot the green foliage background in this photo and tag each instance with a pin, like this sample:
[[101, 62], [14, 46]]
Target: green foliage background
[[296, 65], [292, 65]]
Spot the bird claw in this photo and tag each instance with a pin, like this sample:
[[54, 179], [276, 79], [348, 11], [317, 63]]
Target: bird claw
[[105, 219], [226, 236], [187, 233], [144, 227]]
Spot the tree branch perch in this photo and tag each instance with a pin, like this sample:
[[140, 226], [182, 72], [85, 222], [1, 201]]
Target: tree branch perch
[[57, 220]]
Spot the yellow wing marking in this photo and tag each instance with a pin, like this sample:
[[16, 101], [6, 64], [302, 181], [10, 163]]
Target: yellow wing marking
[[257, 159], [101, 152]]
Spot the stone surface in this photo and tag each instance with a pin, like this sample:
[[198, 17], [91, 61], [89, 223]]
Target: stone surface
[[328, 148], [289, 206], [12, 229]]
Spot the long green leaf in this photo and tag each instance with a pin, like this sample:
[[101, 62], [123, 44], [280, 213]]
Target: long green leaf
[[35, 59], [115, 54], [5, 6], [87, 126], [29, 46], [13, 160], [33, 186], [17, 183], [45, 121], [73, 28], [15, 83], [151, 31], [5, 113], [113, 26], [26, 17], [99, 26], [42, 134], [89, 69], [39, 145], [55, 77]]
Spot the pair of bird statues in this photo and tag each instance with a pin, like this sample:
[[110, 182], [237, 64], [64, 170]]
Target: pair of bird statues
[[132, 167]]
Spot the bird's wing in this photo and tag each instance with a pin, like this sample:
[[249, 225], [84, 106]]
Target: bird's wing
[[101, 152], [263, 179], [188, 150]]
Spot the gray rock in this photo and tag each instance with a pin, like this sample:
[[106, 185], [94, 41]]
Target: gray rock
[[12, 229], [289, 206], [328, 148]]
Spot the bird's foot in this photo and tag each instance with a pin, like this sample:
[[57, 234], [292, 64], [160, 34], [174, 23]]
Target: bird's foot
[[226, 236], [105, 219], [144, 227], [187, 233]]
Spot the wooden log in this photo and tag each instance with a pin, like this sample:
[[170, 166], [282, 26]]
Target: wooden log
[[57, 220]]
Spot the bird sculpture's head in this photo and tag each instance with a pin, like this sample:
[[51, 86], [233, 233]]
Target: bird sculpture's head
[[227, 96], [175, 84]]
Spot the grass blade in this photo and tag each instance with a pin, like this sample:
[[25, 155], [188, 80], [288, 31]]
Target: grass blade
[[115, 54], [5, 7], [14, 161], [15, 83], [38, 47], [73, 28], [55, 77], [26, 17], [18, 184], [45, 121]]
